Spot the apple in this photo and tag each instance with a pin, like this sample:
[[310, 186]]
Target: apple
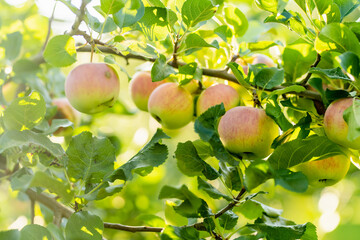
[[92, 87], [243, 64], [335, 127], [325, 172], [65, 111], [215, 95], [261, 58], [141, 86], [171, 105], [247, 131]]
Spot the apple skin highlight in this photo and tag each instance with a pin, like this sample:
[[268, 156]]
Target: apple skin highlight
[[249, 131], [171, 105], [336, 128]]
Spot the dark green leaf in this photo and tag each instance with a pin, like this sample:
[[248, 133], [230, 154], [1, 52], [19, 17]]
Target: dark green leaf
[[334, 73], [210, 190], [84, 226], [350, 62], [60, 51], [276, 112], [346, 6], [179, 233], [99, 27], [90, 158], [256, 173], [228, 220], [153, 154], [293, 181], [268, 78], [224, 32], [104, 191], [231, 177], [289, 89], [194, 11], [302, 150], [10, 234], [161, 69]]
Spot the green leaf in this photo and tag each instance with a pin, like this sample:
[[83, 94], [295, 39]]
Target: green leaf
[[34, 141], [238, 72], [60, 51], [194, 11], [102, 192], [334, 73], [61, 189], [351, 63], [152, 220], [191, 203], [190, 71], [179, 233], [55, 231], [352, 118], [237, 20], [195, 41], [274, 110], [337, 37], [228, 220], [173, 217], [231, 177], [85, 226], [21, 179], [289, 89], [161, 69], [288, 232], [112, 6], [128, 16], [293, 181], [203, 149], [206, 127], [253, 209], [12, 45], [90, 158], [261, 45], [153, 154], [25, 66], [34, 232], [297, 60], [25, 113], [191, 164], [346, 6], [99, 27], [256, 173], [302, 150], [10, 234], [273, 6], [269, 78], [210, 190], [224, 32]]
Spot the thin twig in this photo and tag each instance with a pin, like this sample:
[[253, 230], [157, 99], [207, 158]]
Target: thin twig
[[132, 228], [79, 17], [32, 211], [307, 77], [49, 27]]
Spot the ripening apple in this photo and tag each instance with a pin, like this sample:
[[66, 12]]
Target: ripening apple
[[92, 87], [171, 105], [243, 63], [336, 128], [325, 172], [141, 86], [247, 131], [65, 111], [261, 58], [215, 95]]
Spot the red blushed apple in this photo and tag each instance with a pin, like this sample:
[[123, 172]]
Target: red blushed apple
[[248, 131], [336, 128], [325, 172], [215, 95], [65, 111], [141, 86], [171, 105], [92, 87]]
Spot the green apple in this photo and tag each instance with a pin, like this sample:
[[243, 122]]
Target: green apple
[[65, 111], [215, 95], [325, 172], [141, 86], [248, 131], [336, 128], [171, 105], [92, 87]]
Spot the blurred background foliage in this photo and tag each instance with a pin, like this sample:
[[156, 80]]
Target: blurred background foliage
[[334, 210]]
